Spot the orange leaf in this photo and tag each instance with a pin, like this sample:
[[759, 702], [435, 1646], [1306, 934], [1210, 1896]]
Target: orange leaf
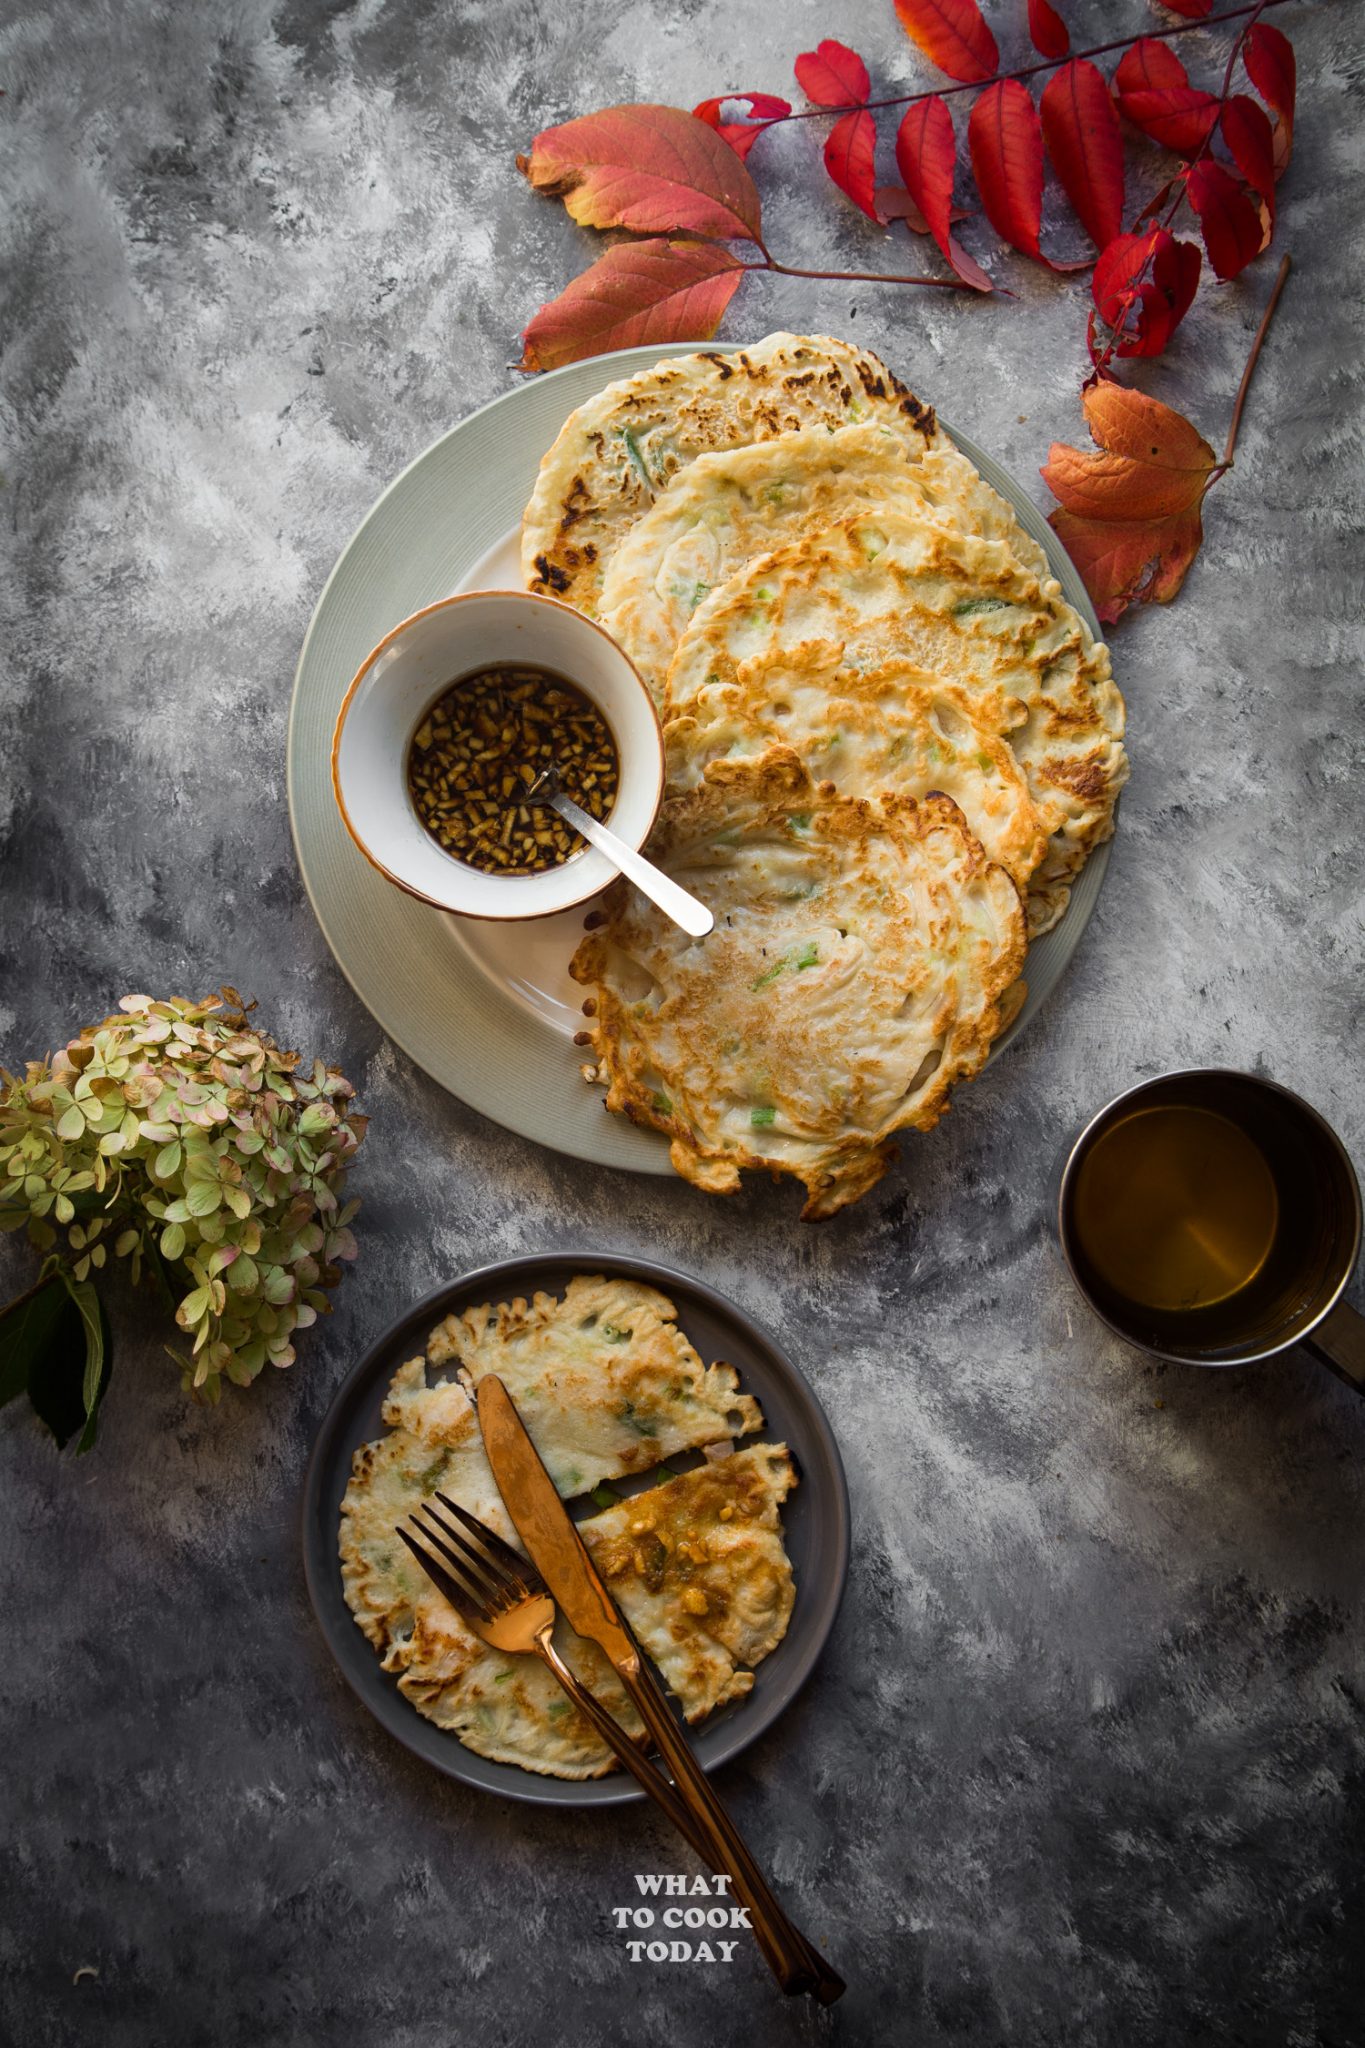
[[1130, 516], [648, 168], [952, 34], [637, 292]]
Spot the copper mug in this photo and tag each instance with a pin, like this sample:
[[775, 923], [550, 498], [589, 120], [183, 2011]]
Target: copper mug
[[1214, 1218]]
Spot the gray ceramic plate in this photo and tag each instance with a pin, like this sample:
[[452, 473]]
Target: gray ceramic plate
[[488, 1013], [815, 1520]]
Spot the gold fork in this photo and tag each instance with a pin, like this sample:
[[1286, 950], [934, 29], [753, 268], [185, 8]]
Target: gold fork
[[501, 1596]]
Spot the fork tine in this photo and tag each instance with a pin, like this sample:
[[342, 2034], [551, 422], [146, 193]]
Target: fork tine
[[451, 1588], [482, 1578], [513, 1563]]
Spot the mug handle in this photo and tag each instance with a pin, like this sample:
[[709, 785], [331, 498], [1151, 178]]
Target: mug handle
[[1339, 1343]]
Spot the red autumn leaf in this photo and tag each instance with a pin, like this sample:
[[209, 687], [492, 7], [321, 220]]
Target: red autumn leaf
[[1143, 286], [1192, 10], [1085, 143], [742, 135], [1179, 117], [850, 153], [647, 168], [1154, 92], [1047, 31], [1230, 224], [1251, 141], [1130, 515], [952, 34], [1006, 142], [926, 157], [1150, 65], [637, 292], [764, 107], [1269, 59], [833, 76], [1005, 138], [895, 203]]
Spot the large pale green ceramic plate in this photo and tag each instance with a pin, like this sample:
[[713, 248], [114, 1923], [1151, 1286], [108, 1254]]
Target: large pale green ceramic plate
[[487, 1011]]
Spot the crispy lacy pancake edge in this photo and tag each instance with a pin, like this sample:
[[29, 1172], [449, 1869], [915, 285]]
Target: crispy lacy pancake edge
[[626, 960]]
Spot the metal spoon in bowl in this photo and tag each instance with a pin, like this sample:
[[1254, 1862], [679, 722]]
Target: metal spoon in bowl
[[693, 917]]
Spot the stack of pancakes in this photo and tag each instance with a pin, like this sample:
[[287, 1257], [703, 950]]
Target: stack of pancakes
[[891, 745]]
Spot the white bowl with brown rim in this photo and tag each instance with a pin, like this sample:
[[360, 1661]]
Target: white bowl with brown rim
[[402, 678]]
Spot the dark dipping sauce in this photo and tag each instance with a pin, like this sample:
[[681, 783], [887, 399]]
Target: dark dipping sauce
[[483, 743]]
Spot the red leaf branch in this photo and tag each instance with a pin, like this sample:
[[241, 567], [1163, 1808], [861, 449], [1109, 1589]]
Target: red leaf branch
[[679, 184]]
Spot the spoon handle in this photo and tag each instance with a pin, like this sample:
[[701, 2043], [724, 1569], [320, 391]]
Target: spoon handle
[[694, 917]]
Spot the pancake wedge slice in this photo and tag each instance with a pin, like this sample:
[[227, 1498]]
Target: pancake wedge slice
[[605, 1380]]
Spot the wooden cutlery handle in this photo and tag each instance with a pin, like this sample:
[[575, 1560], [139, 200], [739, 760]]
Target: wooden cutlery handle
[[797, 1966]]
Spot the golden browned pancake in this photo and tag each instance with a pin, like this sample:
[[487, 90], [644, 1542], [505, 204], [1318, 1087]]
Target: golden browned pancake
[[862, 732], [722, 510], [886, 588], [615, 454], [861, 963]]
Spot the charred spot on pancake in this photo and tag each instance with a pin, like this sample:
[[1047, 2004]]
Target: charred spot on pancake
[[549, 575]]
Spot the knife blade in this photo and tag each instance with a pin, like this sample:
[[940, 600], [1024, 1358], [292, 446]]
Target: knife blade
[[545, 1525], [546, 1528]]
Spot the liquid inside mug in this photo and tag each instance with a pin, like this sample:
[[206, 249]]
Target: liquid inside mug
[[1214, 1218]]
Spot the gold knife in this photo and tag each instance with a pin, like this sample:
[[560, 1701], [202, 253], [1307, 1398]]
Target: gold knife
[[546, 1528]]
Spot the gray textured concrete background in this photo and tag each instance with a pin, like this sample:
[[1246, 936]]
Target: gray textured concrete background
[[1083, 1762]]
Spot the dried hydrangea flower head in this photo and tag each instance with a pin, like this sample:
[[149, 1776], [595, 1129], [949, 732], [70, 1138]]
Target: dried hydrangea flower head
[[189, 1141]]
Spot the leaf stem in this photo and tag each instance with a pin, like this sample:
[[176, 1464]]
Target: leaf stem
[[1180, 28], [1249, 372], [947, 284], [39, 1284]]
